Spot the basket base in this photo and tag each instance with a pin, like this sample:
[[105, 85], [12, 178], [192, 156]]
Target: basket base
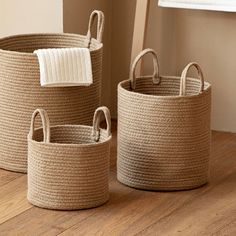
[[67, 208], [12, 168], [159, 188]]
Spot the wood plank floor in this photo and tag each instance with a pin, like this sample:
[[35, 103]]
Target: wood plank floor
[[210, 210]]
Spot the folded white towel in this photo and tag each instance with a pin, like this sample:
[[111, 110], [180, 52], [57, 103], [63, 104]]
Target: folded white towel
[[62, 67]]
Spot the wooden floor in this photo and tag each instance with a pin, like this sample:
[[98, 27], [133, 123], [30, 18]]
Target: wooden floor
[[210, 210]]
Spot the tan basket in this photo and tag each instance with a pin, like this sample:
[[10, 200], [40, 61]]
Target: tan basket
[[21, 93], [68, 165], [163, 130]]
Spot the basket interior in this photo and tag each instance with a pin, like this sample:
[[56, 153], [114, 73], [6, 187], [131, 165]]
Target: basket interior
[[70, 134], [169, 86], [30, 42]]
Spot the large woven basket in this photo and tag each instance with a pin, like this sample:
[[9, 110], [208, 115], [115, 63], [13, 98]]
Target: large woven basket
[[68, 165], [21, 93], [163, 130]]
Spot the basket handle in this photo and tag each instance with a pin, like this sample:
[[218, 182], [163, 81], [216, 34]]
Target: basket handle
[[97, 121], [183, 79], [155, 77], [45, 124], [100, 27]]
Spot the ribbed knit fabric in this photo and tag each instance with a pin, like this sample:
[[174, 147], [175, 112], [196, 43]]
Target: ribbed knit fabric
[[63, 67]]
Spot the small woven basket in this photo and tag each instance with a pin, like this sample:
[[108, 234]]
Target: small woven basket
[[21, 93], [68, 165], [163, 129]]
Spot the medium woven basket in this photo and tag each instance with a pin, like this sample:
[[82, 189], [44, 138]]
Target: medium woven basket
[[21, 93], [68, 165], [163, 129]]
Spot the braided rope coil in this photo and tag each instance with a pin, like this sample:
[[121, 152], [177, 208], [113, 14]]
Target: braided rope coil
[[163, 129], [21, 92], [68, 165]]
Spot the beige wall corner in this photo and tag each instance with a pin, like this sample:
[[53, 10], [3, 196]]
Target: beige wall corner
[[76, 16], [161, 36], [209, 38], [119, 20], [123, 13], [30, 16]]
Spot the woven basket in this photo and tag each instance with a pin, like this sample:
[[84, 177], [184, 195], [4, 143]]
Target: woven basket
[[21, 93], [163, 130], [68, 165]]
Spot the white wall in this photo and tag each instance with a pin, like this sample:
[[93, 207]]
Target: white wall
[[30, 16]]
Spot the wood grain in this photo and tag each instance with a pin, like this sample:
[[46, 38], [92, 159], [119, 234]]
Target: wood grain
[[210, 210], [48, 222], [8, 176], [13, 199]]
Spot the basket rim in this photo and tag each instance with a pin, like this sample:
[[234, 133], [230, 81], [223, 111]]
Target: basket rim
[[121, 84], [100, 45], [107, 140]]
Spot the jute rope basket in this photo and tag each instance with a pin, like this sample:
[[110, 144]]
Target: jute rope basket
[[21, 92], [163, 129], [68, 165]]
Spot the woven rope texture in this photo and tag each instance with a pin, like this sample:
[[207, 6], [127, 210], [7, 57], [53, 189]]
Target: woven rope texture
[[21, 92], [163, 129], [68, 165]]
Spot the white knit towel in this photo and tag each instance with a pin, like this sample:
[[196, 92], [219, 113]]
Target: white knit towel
[[63, 67]]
